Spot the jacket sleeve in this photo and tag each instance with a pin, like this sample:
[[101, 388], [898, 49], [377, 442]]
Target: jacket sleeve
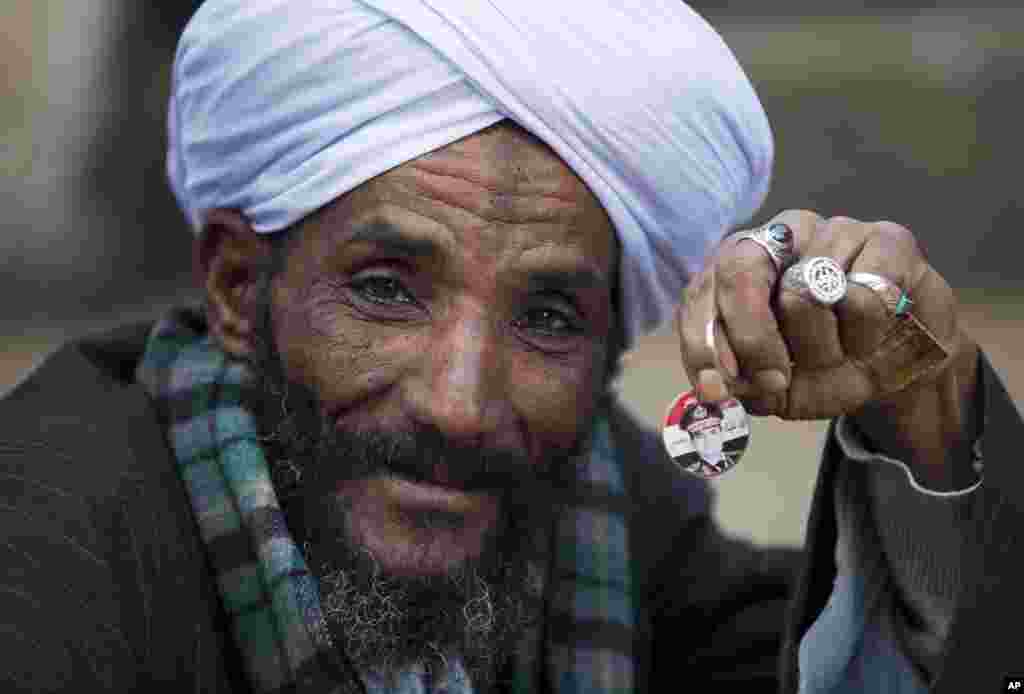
[[63, 628], [980, 649], [103, 587]]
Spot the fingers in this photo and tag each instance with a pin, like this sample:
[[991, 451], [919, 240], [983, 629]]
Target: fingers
[[891, 253], [811, 329], [783, 353], [696, 318], [745, 283], [728, 334], [749, 329], [828, 343]]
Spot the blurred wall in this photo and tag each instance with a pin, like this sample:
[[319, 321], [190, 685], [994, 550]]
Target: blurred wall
[[92, 230], [21, 100], [910, 118]]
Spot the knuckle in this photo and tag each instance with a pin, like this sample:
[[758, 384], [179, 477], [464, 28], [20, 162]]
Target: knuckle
[[843, 220], [683, 310], [747, 339], [701, 284], [919, 275], [886, 226], [847, 227], [806, 219], [896, 234], [863, 304], [861, 300], [691, 341], [692, 338], [792, 303], [689, 312], [743, 271]]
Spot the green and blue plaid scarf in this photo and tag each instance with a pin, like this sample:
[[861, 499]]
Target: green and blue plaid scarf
[[273, 599]]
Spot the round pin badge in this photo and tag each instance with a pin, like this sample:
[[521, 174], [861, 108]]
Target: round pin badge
[[705, 439]]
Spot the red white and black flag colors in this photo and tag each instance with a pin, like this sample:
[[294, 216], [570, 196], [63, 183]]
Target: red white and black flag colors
[[705, 439]]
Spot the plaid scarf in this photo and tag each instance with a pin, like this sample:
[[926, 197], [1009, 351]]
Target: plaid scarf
[[273, 599]]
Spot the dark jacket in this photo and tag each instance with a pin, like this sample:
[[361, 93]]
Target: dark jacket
[[106, 587], [984, 645]]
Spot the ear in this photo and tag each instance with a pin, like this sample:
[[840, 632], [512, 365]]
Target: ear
[[228, 258]]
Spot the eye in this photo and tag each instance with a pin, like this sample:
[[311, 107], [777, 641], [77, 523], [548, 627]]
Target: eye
[[549, 322], [382, 289]]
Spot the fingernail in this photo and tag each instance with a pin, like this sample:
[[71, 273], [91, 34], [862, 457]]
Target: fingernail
[[711, 386], [771, 380]]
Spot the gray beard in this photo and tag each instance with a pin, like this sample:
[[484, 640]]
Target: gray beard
[[481, 611]]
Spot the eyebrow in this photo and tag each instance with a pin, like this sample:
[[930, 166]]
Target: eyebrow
[[388, 237], [582, 278]]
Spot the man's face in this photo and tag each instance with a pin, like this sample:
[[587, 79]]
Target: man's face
[[467, 293], [432, 349]]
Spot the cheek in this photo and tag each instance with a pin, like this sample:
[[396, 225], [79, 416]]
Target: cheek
[[324, 350], [557, 399]]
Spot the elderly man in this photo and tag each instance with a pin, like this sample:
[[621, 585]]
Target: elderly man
[[386, 458]]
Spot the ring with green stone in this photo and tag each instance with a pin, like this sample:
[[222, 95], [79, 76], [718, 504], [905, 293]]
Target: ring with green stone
[[895, 299]]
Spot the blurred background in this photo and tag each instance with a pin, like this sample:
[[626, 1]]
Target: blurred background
[[900, 111]]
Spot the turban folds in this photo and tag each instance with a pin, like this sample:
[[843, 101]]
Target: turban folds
[[280, 106]]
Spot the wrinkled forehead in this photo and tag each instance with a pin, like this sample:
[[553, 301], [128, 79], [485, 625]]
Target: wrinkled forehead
[[507, 157], [502, 175], [500, 192]]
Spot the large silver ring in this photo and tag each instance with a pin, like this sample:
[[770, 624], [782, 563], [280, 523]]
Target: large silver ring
[[819, 278], [894, 298], [776, 239]]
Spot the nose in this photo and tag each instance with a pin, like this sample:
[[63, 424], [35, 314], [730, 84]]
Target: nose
[[458, 385]]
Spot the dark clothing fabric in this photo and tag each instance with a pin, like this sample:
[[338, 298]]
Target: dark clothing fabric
[[106, 586], [982, 647]]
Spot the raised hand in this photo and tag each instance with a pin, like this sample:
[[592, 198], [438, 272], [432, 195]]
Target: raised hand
[[888, 349]]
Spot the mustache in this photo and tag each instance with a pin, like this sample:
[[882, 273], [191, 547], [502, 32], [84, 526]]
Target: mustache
[[426, 455], [311, 451]]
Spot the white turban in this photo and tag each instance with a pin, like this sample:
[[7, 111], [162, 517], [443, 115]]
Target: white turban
[[280, 106]]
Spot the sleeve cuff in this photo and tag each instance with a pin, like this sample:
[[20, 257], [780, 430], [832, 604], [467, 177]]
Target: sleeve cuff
[[852, 445]]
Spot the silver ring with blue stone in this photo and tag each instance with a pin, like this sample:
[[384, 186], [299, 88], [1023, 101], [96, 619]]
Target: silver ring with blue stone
[[776, 239]]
